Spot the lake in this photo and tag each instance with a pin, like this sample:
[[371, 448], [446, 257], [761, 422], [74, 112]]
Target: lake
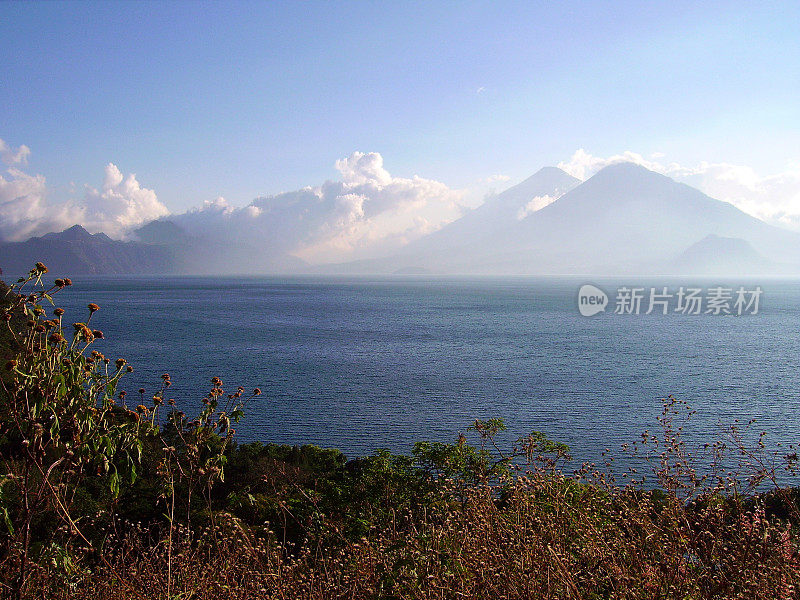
[[366, 363]]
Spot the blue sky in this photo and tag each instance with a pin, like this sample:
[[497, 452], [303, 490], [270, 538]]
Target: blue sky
[[201, 100]]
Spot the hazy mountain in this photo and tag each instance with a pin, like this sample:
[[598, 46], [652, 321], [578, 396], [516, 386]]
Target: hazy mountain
[[498, 213], [161, 232], [627, 219], [237, 257], [715, 255], [623, 220], [75, 251], [208, 253], [160, 247]]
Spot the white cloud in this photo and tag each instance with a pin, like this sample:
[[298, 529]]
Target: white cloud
[[773, 198], [366, 212], [369, 211], [583, 165], [119, 205], [218, 205], [349, 209], [23, 207], [14, 157], [360, 169], [497, 178], [537, 203], [252, 211]]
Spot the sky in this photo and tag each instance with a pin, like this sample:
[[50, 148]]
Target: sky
[[113, 113]]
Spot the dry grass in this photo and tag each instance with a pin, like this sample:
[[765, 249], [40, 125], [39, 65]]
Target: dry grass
[[541, 536]]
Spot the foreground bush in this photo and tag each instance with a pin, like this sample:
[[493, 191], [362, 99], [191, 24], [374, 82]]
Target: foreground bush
[[547, 538], [68, 449]]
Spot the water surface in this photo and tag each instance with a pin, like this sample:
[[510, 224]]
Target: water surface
[[361, 364]]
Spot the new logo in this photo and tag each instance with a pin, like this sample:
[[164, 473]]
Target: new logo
[[591, 300]]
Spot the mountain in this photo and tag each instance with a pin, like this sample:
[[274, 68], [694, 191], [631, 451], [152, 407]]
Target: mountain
[[498, 213], [236, 257], [715, 255], [623, 220], [206, 253], [160, 247], [75, 251], [627, 219], [161, 233]]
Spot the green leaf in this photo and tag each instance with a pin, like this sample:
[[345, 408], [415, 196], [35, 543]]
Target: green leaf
[[113, 481], [7, 520], [25, 375], [55, 428]]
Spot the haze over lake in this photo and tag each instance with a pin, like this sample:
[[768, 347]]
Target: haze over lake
[[365, 363]]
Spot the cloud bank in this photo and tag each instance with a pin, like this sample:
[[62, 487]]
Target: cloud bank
[[365, 213], [23, 210], [119, 205], [774, 198]]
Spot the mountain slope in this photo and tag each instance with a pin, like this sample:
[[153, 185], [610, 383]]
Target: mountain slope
[[715, 255], [75, 251], [497, 213], [162, 233], [209, 253]]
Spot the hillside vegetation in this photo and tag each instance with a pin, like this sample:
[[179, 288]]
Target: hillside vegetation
[[108, 495]]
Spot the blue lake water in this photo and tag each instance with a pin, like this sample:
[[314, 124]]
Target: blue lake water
[[361, 364]]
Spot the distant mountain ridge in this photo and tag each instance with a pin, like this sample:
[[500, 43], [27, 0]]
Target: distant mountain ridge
[[625, 220], [160, 247], [206, 255], [75, 251], [162, 232]]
